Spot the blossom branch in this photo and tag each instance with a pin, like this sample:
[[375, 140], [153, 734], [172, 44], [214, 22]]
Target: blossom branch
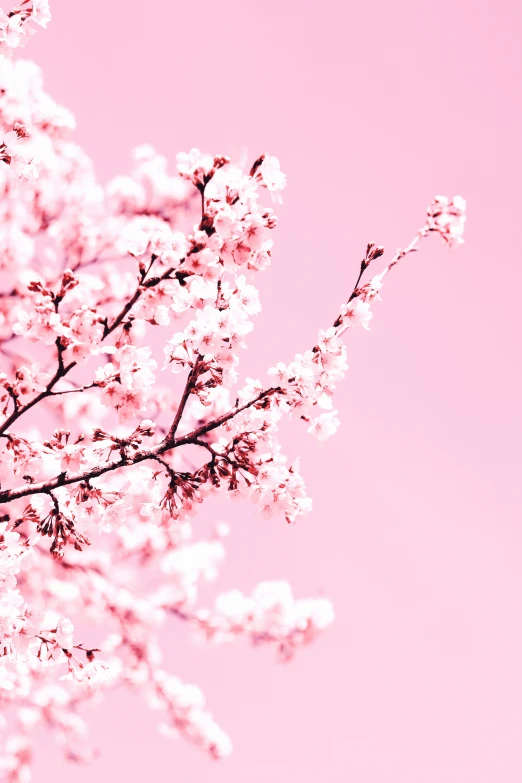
[[59, 216], [64, 369], [166, 445]]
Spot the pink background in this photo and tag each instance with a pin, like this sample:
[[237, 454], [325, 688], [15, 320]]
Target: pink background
[[373, 108]]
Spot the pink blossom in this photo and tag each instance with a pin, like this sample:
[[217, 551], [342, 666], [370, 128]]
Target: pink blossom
[[357, 313], [71, 458], [64, 633], [40, 12], [12, 31], [447, 217], [324, 426], [270, 175]]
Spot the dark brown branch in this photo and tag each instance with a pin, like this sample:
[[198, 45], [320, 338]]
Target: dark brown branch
[[140, 456], [193, 436], [192, 377], [59, 374]]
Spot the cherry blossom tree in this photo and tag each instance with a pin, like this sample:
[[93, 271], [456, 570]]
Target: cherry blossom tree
[[104, 465]]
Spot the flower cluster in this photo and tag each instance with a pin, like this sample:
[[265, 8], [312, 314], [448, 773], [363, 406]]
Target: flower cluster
[[270, 615], [447, 217], [123, 310], [14, 29]]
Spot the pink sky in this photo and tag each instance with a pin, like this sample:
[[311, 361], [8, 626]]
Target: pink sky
[[372, 108]]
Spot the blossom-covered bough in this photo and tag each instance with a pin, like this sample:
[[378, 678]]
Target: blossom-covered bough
[[96, 283]]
